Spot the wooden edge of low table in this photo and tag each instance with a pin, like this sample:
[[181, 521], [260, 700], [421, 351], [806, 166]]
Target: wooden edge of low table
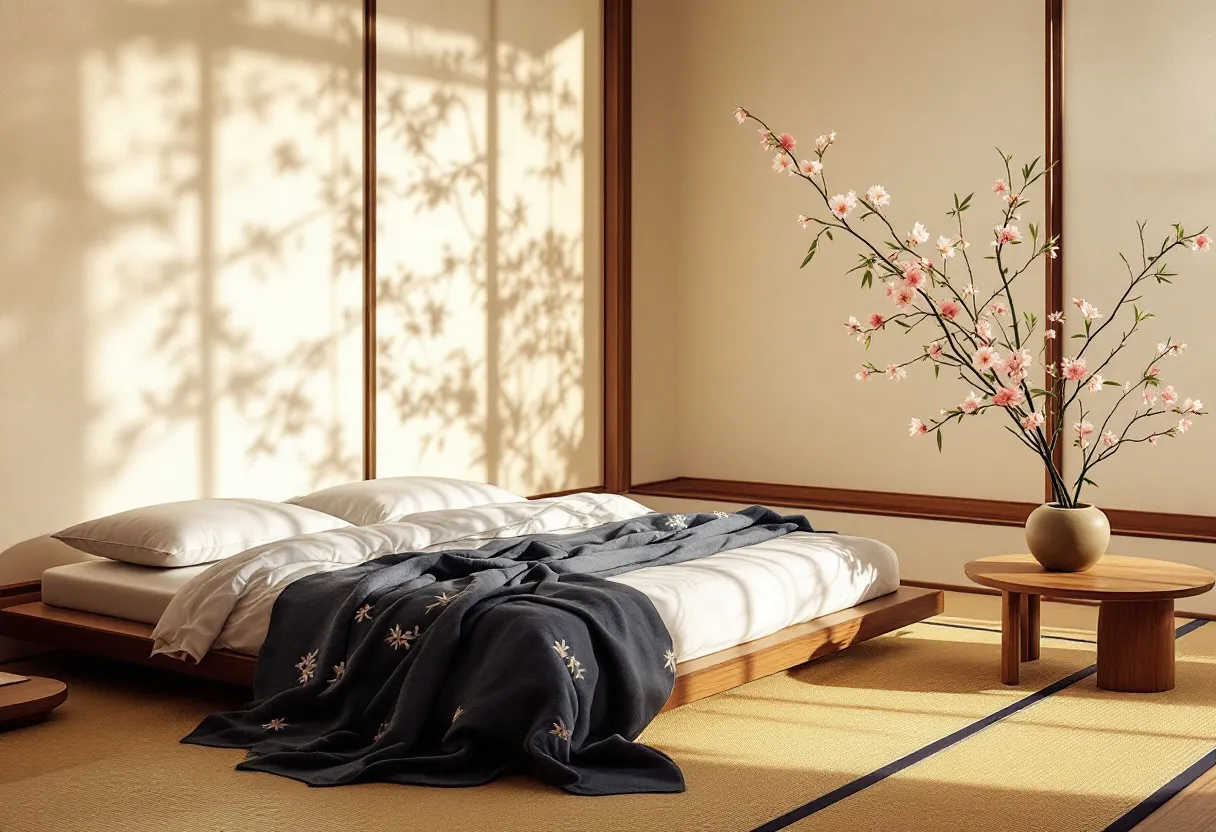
[[131, 641], [1135, 613], [24, 703]]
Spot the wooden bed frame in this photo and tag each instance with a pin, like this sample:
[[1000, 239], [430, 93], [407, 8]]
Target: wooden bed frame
[[24, 616]]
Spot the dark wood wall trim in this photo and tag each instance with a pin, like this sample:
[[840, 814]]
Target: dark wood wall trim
[[369, 239], [884, 503], [1054, 150], [1189, 527], [618, 137]]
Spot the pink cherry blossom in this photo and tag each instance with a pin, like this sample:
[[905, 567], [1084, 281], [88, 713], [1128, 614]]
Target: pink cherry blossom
[[914, 277], [1152, 372], [740, 115], [917, 235], [969, 289], [1032, 422], [1152, 440], [985, 358], [1007, 234], [1191, 406], [896, 372], [862, 375], [917, 428], [1013, 199], [767, 140], [971, 403], [822, 142], [840, 206], [812, 167], [788, 142], [1095, 384], [1169, 397], [1074, 369], [1050, 334], [946, 247], [1088, 311], [781, 163], [1170, 349], [1184, 425], [853, 325], [1008, 397], [949, 309], [877, 321], [1000, 187], [1202, 242], [878, 197], [983, 328], [1084, 430], [935, 351], [804, 220], [905, 295], [1056, 317], [998, 307], [1150, 397], [1109, 439]]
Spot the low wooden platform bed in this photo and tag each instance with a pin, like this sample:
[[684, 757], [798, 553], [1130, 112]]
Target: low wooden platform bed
[[131, 641], [440, 622]]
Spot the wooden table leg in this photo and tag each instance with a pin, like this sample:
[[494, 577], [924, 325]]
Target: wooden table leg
[[1136, 646], [1030, 627], [1011, 636]]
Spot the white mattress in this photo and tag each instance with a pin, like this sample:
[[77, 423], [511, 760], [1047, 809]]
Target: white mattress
[[122, 590], [708, 604]]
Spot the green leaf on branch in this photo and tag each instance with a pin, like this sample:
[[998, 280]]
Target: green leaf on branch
[[939, 440], [867, 279], [1078, 335], [937, 370], [1111, 383]]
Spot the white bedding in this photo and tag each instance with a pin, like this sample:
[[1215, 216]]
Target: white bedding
[[707, 605]]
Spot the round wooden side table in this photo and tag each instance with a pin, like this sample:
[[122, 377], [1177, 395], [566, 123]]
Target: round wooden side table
[[23, 703], [1135, 615]]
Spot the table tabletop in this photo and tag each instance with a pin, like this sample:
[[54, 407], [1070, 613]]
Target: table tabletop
[[1114, 578]]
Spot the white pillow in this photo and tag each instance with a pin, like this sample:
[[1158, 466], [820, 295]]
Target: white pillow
[[384, 501], [193, 531]]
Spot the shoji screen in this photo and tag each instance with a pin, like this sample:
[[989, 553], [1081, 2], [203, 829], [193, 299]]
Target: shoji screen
[[488, 241], [760, 363], [180, 262], [1140, 125]]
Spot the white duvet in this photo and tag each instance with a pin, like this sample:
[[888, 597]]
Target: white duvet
[[707, 604]]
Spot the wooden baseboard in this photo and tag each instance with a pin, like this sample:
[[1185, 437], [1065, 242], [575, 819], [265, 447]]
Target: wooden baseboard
[[1189, 527]]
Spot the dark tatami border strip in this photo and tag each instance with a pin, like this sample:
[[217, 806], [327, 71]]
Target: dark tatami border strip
[[1191, 527], [908, 760]]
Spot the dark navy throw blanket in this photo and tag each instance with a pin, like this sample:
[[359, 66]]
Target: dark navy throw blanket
[[453, 668]]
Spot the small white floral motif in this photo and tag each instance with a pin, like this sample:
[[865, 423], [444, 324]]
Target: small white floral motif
[[307, 666], [275, 725], [441, 600], [670, 660], [339, 672], [576, 668], [364, 613], [560, 730], [401, 638], [563, 650], [381, 731], [457, 714], [677, 521], [721, 515]]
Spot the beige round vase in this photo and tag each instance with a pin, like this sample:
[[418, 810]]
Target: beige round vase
[[1067, 539]]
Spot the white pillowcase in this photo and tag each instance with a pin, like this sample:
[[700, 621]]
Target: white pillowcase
[[388, 500], [194, 531]]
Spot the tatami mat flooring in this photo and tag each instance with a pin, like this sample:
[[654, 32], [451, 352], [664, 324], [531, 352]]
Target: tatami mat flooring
[[754, 757]]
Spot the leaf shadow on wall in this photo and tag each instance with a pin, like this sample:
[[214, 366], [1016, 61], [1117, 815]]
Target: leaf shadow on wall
[[485, 318], [180, 304]]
